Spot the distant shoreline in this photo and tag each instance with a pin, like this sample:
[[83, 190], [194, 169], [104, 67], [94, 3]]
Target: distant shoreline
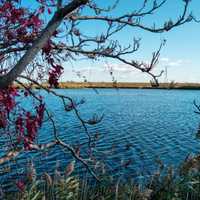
[[123, 85], [129, 85]]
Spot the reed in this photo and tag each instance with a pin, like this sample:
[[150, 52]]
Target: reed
[[166, 183]]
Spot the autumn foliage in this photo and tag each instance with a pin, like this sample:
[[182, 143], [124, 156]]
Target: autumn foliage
[[19, 28]]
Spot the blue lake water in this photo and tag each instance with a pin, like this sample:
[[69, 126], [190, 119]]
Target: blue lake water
[[154, 123]]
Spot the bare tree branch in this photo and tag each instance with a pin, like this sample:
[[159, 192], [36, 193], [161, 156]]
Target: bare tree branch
[[128, 19]]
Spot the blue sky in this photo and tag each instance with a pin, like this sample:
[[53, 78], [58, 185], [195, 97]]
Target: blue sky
[[181, 54]]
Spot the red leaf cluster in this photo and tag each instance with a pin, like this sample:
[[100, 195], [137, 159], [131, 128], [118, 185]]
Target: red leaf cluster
[[56, 70], [7, 103], [18, 23], [20, 185], [26, 123], [27, 126], [54, 75]]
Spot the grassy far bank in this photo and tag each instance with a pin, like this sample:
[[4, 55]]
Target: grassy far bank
[[164, 184], [133, 85]]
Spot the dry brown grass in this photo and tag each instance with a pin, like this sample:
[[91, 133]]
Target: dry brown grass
[[171, 85], [133, 85]]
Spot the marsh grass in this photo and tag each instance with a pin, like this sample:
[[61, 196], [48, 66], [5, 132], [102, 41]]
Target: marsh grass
[[164, 184]]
